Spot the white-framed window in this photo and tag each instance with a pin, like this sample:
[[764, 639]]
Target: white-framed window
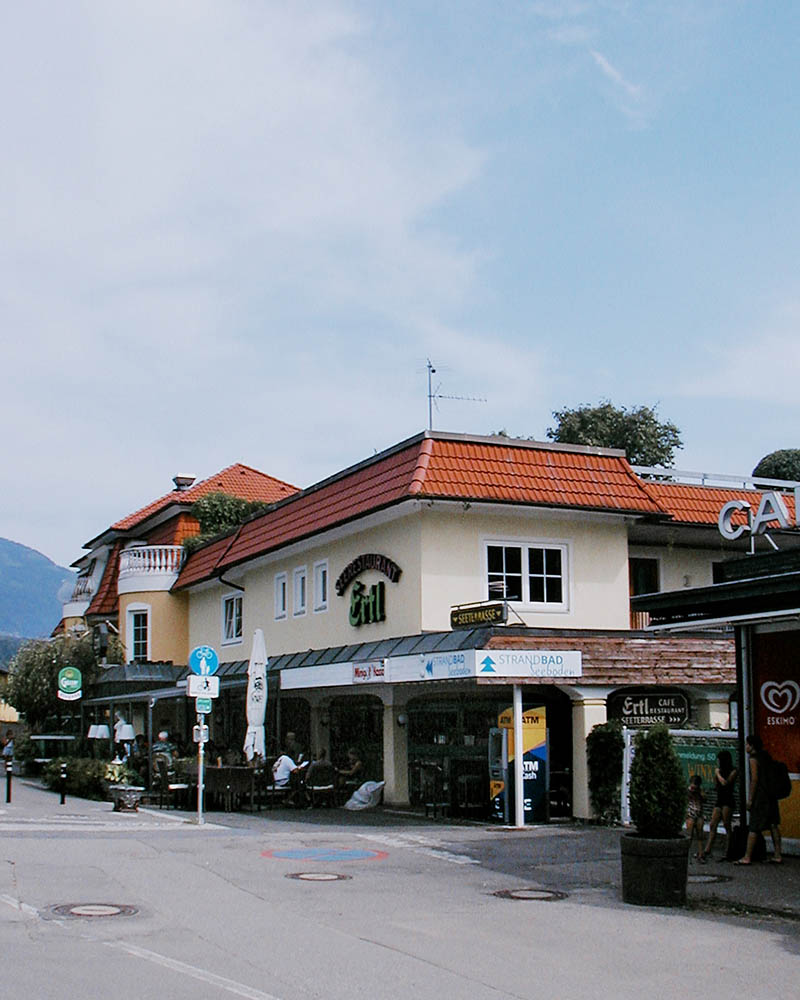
[[137, 632], [300, 591], [231, 619], [321, 586], [528, 573], [281, 596]]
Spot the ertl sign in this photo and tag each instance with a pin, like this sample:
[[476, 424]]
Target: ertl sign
[[772, 512]]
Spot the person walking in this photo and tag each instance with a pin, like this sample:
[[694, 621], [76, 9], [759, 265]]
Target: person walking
[[695, 824], [762, 806], [724, 783]]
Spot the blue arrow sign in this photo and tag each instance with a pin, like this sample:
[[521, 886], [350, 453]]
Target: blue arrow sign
[[488, 666], [203, 660]]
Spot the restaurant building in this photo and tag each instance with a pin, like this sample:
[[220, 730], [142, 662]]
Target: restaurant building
[[759, 598], [420, 602]]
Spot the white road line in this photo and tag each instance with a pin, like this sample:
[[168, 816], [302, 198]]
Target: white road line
[[422, 845], [16, 904], [238, 989]]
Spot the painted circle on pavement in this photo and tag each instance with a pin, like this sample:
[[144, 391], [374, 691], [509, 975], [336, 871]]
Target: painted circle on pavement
[[325, 854]]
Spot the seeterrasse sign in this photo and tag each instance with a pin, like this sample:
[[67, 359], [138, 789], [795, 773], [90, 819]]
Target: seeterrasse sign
[[468, 663]]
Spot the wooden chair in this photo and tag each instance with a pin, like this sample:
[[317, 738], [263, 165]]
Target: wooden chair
[[168, 789], [321, 783]]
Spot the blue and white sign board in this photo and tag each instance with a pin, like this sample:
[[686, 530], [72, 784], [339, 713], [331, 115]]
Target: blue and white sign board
[[203, 660], [454, 665], [202, 687], [528, 663], [203, 706]]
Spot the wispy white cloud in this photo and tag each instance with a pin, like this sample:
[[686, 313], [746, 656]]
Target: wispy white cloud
[[761, 366], [612, 73]]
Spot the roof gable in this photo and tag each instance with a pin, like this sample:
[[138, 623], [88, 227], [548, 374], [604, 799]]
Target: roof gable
[[237, 480], [436, 466]]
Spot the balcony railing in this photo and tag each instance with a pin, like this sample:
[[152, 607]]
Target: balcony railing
[[83, 589], [150, 560]]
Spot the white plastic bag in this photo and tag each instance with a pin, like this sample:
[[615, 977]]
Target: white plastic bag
[[367, 796]]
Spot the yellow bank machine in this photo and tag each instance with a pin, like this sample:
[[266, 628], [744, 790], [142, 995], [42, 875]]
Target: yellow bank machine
[[535, 766]]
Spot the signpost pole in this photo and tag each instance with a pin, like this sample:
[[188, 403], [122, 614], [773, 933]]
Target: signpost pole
[[519, 754], [200, 755]]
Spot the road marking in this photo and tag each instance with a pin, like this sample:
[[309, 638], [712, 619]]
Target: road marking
[[238, 989], [16, 904], [423, 845]]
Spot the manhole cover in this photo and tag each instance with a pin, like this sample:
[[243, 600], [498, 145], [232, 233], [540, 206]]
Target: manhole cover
[[94, 910], [318, 877], [535, 895], [708, 879]]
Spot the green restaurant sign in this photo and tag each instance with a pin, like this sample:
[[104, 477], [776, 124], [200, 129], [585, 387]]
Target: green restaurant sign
[[69, 684]]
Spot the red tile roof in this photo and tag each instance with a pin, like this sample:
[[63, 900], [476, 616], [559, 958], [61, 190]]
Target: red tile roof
[[238, 480], [695, 504], [104, 601], [437, 466]]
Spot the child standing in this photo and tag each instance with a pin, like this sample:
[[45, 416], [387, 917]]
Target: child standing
[[695, 824]]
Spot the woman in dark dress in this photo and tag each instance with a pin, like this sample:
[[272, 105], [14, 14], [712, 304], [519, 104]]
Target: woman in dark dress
[[762, 807], [724, 783]]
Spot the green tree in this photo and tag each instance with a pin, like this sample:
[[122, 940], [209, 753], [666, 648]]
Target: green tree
[[645, 439], [781, 464], [605, 747], [33, 675], [220, 512]]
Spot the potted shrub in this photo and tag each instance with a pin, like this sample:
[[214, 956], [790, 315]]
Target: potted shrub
[[655, 859]]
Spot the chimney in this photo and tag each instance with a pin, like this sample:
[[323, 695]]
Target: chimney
[[182, 483]]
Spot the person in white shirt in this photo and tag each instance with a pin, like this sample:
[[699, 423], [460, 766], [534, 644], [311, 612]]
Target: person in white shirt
[[282, 770]]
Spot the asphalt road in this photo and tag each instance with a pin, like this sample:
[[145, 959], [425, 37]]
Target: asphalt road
[[395, 909]]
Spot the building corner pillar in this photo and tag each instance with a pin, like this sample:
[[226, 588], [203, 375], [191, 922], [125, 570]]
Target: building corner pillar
[[588, 710]]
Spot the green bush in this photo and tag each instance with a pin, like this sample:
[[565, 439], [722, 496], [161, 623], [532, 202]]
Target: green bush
[[86, 778], [657, 789], [605, 747]]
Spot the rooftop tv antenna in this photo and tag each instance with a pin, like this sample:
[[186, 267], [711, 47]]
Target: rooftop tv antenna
[[434, 394]]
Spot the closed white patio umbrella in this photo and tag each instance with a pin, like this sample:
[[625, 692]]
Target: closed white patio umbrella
[[256, 697]]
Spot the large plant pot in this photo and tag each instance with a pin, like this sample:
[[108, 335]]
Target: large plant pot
[[654, 872]]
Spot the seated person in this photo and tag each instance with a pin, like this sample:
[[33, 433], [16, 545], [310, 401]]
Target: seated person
[[353, 772], [282, 771]]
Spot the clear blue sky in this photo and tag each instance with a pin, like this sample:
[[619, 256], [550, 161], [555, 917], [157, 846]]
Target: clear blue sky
[[234, 231]]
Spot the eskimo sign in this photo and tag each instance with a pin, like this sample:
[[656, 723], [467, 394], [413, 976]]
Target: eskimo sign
[[771, 511]]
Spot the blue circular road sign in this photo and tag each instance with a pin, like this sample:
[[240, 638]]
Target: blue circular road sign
[[203, 660]]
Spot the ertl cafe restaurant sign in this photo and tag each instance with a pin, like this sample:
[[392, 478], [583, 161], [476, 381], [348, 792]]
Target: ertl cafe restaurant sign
[[649, 707]]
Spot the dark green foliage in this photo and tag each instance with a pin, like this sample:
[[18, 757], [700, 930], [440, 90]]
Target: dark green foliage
[[782, 464], [645, 439], [219, 512], [87, 778], [605, 747], [33, 676], [657, 789]]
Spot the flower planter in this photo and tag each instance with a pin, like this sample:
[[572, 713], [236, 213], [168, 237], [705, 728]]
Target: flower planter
[[654, 871]]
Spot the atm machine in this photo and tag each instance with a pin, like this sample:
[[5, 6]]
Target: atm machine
[[535, 766]]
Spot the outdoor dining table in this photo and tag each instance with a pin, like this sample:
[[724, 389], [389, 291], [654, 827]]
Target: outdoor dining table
[[228, 783]]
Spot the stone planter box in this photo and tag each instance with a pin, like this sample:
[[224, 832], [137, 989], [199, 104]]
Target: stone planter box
[[126, 798], [654, 872]]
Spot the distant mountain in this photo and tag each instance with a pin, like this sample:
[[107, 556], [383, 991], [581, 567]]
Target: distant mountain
[[32, 589]]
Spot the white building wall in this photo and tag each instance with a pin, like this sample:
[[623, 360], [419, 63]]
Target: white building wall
[[454, 564], [680, 567], [441, 550]]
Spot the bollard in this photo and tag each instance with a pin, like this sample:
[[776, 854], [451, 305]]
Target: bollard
[[63, 783], [9, 771]]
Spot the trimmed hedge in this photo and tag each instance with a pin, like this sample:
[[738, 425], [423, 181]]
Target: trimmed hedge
[[87, 778]]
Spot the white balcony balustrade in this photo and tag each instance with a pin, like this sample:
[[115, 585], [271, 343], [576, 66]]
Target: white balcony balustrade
[[149, 567]]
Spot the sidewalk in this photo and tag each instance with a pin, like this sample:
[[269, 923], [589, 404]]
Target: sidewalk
[[580, 860]]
